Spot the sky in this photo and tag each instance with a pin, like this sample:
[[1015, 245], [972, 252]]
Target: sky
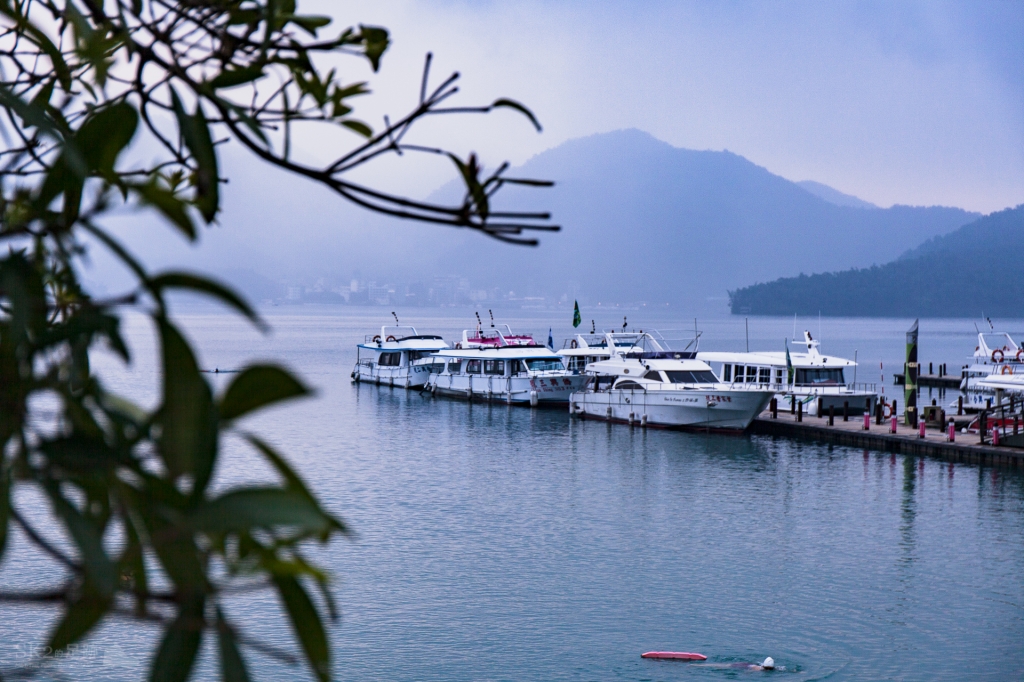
[[918, 103]]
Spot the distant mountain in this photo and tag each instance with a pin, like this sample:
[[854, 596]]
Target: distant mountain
[[644, 220], [834, 196], [975, 269]]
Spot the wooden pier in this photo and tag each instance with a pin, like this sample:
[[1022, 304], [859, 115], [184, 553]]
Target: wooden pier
[[930, 380], [965, 448]]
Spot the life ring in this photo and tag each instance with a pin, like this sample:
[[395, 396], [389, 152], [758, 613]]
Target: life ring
[[887, 410], [458, 346], [1020, 354], [573, 344], [999, 353], [390, 338], [1006, 370], [376, 339]]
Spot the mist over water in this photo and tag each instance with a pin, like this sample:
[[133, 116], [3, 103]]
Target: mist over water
[[508, 543]]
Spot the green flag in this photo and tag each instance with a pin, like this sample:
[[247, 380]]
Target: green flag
[[789, 366], [576, 319]]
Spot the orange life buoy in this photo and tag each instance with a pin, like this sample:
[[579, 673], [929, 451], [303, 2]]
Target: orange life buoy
[[376, 339], [887, 410], [1020, 354], [390, 338], [572, 344], [1006, 370], [999, 353], [458, 346]]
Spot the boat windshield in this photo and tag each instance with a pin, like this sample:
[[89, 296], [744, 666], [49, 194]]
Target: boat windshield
[[818, 376], [544, 364], [684, 377]]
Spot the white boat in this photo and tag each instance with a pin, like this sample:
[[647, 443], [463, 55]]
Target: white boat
[[996, 359], [485, 365], [587, 348], [398, 356], [661, 387], [816, 378]]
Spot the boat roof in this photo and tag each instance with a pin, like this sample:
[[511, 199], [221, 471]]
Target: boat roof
[[501, 353], [775, 359], [617, 366]]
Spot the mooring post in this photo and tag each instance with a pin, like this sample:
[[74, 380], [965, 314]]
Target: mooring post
[[831, 415], [879, 409], [929, 368], [892, 425], [960, 406], [920, 429], [792, 404], [846, 410], [821, 408], [799, 410], [982, 425], [995, 435], [952, 431], [775, 408], [867, 420]]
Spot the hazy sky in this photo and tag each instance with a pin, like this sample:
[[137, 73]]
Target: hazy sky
[[916, 102]]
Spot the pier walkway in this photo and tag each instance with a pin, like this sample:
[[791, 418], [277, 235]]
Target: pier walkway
[[965, 448]]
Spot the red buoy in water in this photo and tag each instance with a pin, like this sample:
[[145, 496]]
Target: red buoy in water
[[674, 655]]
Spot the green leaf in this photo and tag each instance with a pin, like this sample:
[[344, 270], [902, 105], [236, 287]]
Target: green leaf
[[375, 41], [105, 134], [310, 23], [292, 479], [99, 569], [180, 645], [229, 78], [196, 133], [470, 176], [259, 386], [184, 280], [232, 666], [358, 126], [512, 104], [165, 201], [245, 509], [79, 453], [307, 625], [187, 418], [5, 508], [81, 616]]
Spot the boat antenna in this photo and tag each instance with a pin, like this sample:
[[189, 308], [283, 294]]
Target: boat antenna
[[746, 323], [593, 328], [855, 366], [976, 328], [478, 322], [492, 317], [989, 319], [624, 323], [394, 316], [794, 326]]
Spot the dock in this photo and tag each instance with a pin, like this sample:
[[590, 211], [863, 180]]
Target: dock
[[965, 448], [931, 380]]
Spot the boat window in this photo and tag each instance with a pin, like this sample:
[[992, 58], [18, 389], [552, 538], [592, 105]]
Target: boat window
[[420, 354], [751, 374], [543, 364], [820, 375], [778, 376], [764, 375], [684, 377], [629, 386], [603, 383], [454, 367], [436, 367], [389, 359], [494, 367], [726, 372], [656, 376], [739, 374], [473, 367]]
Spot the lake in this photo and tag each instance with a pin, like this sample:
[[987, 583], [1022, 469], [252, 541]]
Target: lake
[[501, 543]]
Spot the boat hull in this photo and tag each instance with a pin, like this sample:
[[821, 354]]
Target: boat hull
[[411, 376], [718, 410], [541, 390]]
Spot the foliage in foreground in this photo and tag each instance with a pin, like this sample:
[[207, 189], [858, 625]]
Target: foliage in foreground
[[80, 84]]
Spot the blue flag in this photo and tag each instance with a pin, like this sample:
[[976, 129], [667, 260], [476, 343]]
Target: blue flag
[[551, 340]]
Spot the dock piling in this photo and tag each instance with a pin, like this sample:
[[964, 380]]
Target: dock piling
[[892, 425], [775, 408], [821, 408], [920, 429], [952, 431], [867, 420], [846, 410], [831, 415], [799, 410]]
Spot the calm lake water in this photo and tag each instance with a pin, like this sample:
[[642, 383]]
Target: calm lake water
[[498, 543]]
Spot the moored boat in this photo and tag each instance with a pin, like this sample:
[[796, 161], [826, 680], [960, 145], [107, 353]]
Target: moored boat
[[816, 379], [398, 356], [660, 387], [486, 366]]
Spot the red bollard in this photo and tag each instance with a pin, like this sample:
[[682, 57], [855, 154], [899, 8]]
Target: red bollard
[[892, 425], [995, 435], [920, 429], [867, 420], [952, 431]]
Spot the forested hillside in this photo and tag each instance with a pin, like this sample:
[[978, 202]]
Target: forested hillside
[[978, 268]]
